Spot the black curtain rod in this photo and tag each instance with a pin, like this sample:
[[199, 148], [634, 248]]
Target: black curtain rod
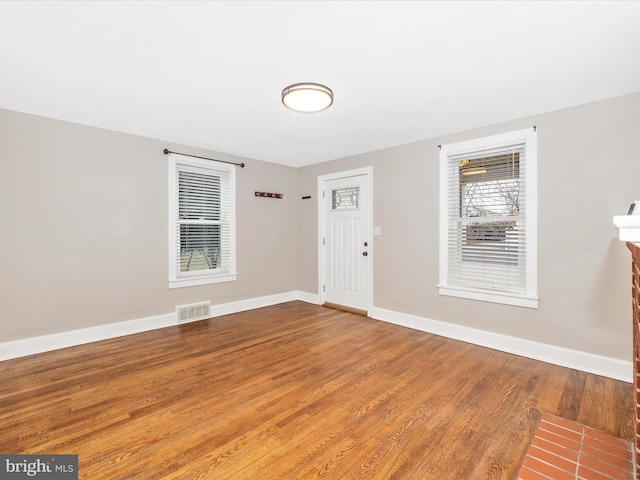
[[167, 152]]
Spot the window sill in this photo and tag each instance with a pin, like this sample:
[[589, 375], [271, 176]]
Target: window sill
[[195, 281], [526, 301]]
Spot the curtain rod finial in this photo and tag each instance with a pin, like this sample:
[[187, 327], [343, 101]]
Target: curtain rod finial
[[166, 151]]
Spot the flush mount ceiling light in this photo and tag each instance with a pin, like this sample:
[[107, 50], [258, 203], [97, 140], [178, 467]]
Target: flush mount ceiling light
[[307, 97]]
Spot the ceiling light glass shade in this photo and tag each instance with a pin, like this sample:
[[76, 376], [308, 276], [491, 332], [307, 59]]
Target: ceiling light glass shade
[[307, 97]]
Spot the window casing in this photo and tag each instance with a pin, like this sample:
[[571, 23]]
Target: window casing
[[201, 222], [488, 214]]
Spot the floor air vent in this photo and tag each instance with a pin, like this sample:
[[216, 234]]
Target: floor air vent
[[195, 311]]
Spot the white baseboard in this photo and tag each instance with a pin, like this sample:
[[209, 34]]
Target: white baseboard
[[313, 298], [252, 303], [55, 341], [586, 362]]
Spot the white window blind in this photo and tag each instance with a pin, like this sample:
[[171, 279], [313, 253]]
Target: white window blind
[[202, 223], [486, 242]]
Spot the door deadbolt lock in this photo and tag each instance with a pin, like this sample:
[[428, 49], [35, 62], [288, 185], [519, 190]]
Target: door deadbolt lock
[[366, 244]]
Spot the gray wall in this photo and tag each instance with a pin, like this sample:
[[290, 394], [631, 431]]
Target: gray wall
[[84, 229], [588, 171], [84, 232]]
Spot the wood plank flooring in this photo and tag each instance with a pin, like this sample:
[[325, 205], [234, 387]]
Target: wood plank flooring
[[294, 391]]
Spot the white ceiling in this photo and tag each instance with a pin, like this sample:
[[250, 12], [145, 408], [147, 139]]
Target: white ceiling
[[210, 74]]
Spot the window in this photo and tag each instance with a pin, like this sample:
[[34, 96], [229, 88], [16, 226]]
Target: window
[[345, 198], [488, 244], [201, 222]]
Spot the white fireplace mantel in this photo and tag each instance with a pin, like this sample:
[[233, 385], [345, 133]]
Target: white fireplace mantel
[[629, 227]]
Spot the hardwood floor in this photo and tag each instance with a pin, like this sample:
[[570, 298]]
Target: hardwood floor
[[294, 391]]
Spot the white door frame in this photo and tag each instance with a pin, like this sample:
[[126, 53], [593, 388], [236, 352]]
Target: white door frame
[[322, 179]]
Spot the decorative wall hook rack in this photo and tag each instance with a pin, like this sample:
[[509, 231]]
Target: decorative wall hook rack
[[269, 194]]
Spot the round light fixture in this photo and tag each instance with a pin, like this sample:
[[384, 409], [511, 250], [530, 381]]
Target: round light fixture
[[307, 97]]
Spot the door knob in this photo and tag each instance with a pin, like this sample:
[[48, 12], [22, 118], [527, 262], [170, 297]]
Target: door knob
[[365, 254]]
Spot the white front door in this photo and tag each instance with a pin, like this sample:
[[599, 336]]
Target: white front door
[[345, 241]]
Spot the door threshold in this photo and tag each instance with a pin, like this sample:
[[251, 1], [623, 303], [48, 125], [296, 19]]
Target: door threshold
[[344, 308]]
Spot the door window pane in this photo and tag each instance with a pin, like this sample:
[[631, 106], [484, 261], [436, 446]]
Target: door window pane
[[345, 198]]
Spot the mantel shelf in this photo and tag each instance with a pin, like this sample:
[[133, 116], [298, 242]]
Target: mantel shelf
[[629, 227]]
